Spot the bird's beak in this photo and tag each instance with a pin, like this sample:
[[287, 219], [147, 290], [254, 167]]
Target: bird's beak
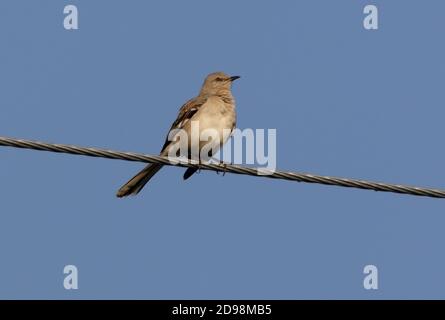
[[234, 78]]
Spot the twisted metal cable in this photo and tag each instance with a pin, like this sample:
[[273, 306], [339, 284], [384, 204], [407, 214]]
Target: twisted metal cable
[[293, 176]]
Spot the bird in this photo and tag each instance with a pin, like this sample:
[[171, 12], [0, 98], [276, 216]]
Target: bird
[[213, 108]]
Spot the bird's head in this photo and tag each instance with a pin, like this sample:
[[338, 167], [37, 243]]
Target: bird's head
[[218, 83]]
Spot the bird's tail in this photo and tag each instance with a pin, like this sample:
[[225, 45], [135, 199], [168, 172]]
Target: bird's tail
[[136, 183], [189, 172]]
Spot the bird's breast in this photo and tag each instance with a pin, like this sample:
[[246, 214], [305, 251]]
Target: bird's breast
[[216, 114]]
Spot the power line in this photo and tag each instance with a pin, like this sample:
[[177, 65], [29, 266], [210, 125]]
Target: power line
[[259, 172]]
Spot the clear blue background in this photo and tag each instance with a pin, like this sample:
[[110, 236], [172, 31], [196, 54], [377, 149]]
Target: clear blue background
[[345, 102]]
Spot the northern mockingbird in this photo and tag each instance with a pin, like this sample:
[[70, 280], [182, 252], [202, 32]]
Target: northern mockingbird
[[213, 108]]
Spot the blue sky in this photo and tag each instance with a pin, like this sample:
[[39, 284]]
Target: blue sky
[[345, 102]]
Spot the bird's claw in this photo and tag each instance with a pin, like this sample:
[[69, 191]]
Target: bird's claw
[[199, 166], [224, 165]]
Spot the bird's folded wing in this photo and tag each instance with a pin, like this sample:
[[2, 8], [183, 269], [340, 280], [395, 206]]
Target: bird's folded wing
[[185, 114]]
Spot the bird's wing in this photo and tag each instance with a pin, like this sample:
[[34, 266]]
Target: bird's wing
[[185, 114]]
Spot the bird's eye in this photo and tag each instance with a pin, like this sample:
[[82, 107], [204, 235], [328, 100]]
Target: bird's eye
[[219, 79]]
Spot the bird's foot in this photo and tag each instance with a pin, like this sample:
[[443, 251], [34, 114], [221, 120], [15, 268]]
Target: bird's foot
[[199, 166], [223, 164]]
